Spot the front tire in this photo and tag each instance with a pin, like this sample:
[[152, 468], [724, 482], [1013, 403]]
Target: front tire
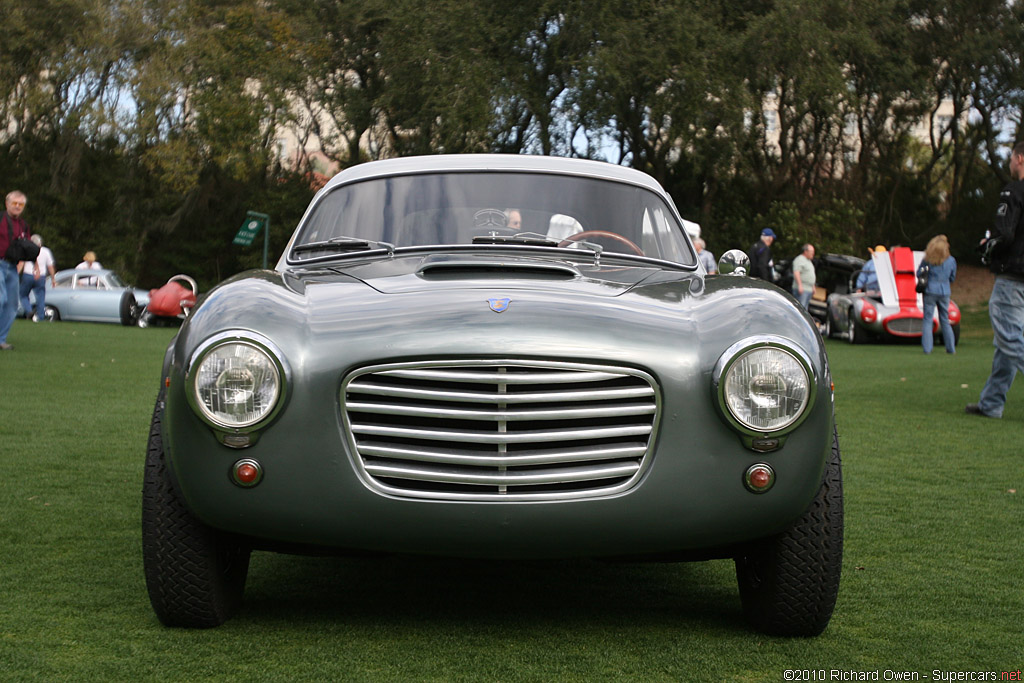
[[50, 314], [854, 333], [127, 310], [195, 574], [789, 583]]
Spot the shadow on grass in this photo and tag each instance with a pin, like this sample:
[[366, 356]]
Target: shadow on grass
[[429, 592]]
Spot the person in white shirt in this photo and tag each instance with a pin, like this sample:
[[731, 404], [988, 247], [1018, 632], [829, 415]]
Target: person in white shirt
[[89, 262], [33, 279], [804, 276]]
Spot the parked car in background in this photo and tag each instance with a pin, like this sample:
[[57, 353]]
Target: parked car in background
[[171, 303], [893, 312], [93, 296], [419, 376]]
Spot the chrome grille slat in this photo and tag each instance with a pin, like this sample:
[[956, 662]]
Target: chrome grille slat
[[501, 437], [500, 430], [517, 478], [480, 397], [489, 459], [495, 415]]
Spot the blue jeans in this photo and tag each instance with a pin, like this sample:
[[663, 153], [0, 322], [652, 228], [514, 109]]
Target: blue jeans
[[30, 283], [8, 297], [930, 302], [1006, 309], [805, 298]]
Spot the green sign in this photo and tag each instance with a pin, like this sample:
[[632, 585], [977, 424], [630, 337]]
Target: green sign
[[250, 228]]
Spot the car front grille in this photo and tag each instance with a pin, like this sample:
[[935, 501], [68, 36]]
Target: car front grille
[[500, 430], [903, 327]]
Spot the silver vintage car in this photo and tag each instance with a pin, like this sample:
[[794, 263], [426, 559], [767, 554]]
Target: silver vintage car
[[487, 356], [98, 296]]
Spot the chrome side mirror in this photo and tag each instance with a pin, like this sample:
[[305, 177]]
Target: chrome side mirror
[[734, 262]]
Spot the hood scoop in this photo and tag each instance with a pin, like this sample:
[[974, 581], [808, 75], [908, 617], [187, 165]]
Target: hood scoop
[[447, 267]]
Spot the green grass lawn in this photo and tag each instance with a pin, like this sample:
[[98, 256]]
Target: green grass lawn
[[933, 577]]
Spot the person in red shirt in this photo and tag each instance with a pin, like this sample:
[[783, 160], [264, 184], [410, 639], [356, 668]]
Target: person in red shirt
[[12, 226]]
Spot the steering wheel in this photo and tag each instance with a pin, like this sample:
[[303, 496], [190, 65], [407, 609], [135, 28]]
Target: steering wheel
[[602, 233]]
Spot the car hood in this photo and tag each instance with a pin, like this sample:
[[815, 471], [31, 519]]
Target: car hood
[[432, 304], [435, 272]]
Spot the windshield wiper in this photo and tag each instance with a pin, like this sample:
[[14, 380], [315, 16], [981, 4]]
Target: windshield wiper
[[344, 244]]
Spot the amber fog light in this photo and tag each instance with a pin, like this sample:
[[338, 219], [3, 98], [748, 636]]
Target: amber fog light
[[759, 478], [247, 473]]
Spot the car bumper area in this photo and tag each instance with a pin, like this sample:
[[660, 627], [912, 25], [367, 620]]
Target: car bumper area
[[689, 496]]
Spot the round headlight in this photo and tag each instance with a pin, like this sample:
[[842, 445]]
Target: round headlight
[[765, 388], [236, 384]]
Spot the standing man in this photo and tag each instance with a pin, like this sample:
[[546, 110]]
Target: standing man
[[761, 264], [803, 276], [867, 280], [707, 259], [33, 279], [1003, 248], [12, 226]]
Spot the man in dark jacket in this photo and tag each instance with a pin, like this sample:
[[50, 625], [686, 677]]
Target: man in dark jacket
[[12, 226], [1003, 249], [761, 264]]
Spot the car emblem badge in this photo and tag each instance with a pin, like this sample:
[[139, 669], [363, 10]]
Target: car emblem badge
[[499, 305]]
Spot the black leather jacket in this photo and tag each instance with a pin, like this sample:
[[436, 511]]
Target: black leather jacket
[[1007, 255]]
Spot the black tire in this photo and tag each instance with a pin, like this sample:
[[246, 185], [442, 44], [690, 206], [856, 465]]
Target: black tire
[[788, 584], [827, 331], [127, 309], [195, 574], [956, 334], [50, 313], [854, 334]]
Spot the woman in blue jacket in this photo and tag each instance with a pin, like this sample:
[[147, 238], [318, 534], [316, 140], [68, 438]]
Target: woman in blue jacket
[[941, 268]]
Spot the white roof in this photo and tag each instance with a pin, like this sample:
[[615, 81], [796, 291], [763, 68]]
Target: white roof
[[494, 162]]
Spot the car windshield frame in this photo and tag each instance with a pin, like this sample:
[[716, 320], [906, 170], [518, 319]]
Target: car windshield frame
[[449, 209]]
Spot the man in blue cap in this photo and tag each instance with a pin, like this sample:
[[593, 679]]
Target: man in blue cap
[[761, 264]]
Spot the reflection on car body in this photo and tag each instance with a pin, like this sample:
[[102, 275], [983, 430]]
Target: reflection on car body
[[417, 376]]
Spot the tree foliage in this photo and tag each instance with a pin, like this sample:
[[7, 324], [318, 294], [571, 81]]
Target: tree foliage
[[144, 129]]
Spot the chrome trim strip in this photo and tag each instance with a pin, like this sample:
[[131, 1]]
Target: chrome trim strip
[[501, 378]]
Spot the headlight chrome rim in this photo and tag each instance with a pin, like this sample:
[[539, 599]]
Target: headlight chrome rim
[[745, 348], [258, 344]]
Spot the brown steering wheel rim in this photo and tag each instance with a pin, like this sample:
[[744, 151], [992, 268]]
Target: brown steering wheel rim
[[602, 233]]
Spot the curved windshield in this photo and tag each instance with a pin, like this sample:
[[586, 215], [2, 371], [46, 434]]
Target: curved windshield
[[534, 209]]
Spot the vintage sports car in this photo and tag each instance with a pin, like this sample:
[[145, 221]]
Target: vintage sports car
[[488, 356], [98, 296], [171, 303], [893, 311]]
